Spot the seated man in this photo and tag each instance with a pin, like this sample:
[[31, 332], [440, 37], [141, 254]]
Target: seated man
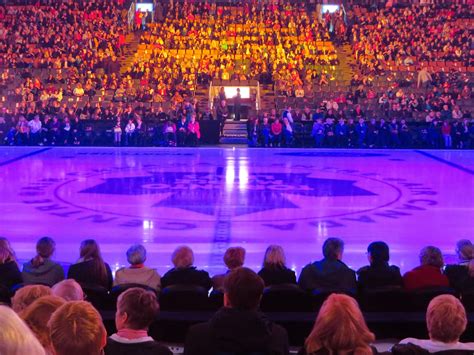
[[136, 310], [76, 328], [330, 272], [446, 321], [238, 327]]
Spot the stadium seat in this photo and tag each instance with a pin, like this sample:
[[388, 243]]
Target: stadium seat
[[318, 296], [383, 299], [4, 295], [467, 298], [418, 300], [119, 289], [184, 298], [99, 296], [285, 298], [216, 300]]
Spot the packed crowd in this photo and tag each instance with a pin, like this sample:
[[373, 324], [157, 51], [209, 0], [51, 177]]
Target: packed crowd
[[279, 42], [413, 35], [49, 314]]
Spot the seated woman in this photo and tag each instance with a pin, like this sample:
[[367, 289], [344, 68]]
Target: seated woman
[[340, 328], [137, 273], [41, 269], [234, 258], [461, 276], [194, 132], [184, 272], [136, 310], [429, 273], [274, 271], [276, 132], [37, 316], [90, 269], [9, 272], [446, 321], [379, 273]]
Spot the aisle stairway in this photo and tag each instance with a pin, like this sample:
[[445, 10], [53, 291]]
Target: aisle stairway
[[235, 132], [132, 41]]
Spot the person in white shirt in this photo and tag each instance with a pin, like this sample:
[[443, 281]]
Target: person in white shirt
[[446, 321], [35, 130], [129, 132]]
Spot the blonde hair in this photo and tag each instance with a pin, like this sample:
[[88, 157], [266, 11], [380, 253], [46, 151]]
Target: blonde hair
[[340, 326], [16, 338], [27, 295], [69, 290], [446, 319], [182, 257], [37, 315], [274, 257], [76, 329], [6, 252], [234, 257]]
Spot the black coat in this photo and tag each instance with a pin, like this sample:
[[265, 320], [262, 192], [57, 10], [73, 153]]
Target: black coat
[[145, 348], [277, 276], [235, 331], [83, 273], [327, 274], [374, 276], [187, 276], [459, 278], [10, 274]]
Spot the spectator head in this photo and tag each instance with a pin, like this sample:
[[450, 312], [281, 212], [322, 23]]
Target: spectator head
[[90, 250], [431, 256], [446, 319], [76, 329], [234, 257], [16, 338], [27, 295], [37, 316], [6, 252], [333, 248], [136, 254], [274, 257], [378, 253], [340, 326], [243, 289], [44, 249], [465, 250], [69, 290], [182, 257], [136, 309]]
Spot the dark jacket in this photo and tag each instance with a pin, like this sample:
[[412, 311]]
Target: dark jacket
[[373, 276], [83, 273], [10, 274], [412, 349], [187, 276], [237, 332], [48, 273], [150, 347], [327, 274], [459, 278], [277, 276]]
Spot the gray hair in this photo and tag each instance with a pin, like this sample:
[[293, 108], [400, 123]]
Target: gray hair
[[431, 256], [182, 257], [136, 254]]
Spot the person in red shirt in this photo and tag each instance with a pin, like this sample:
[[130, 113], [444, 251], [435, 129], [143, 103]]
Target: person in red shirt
[[276, 129], [428, 274], [194, 132]]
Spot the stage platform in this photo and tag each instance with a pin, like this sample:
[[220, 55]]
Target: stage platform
[[212, 198]]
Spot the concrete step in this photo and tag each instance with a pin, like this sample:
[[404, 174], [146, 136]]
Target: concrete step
[[233, 140]]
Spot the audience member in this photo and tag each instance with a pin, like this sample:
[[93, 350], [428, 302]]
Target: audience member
[[136, 310], [274, 270], [137, 273], [68, 290], [90, 269], [41, 269], [15, 336], [340, 328], [379, 273], [37, 316], [446, 321], [27, 295], [461, 276], [184, 273], [9, 272], [76, 329], [238, 327], [234, 257], [429, 273], [330, 272]]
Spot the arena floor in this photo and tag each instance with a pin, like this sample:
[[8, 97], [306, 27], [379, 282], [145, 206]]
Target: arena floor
[[211, 198]]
